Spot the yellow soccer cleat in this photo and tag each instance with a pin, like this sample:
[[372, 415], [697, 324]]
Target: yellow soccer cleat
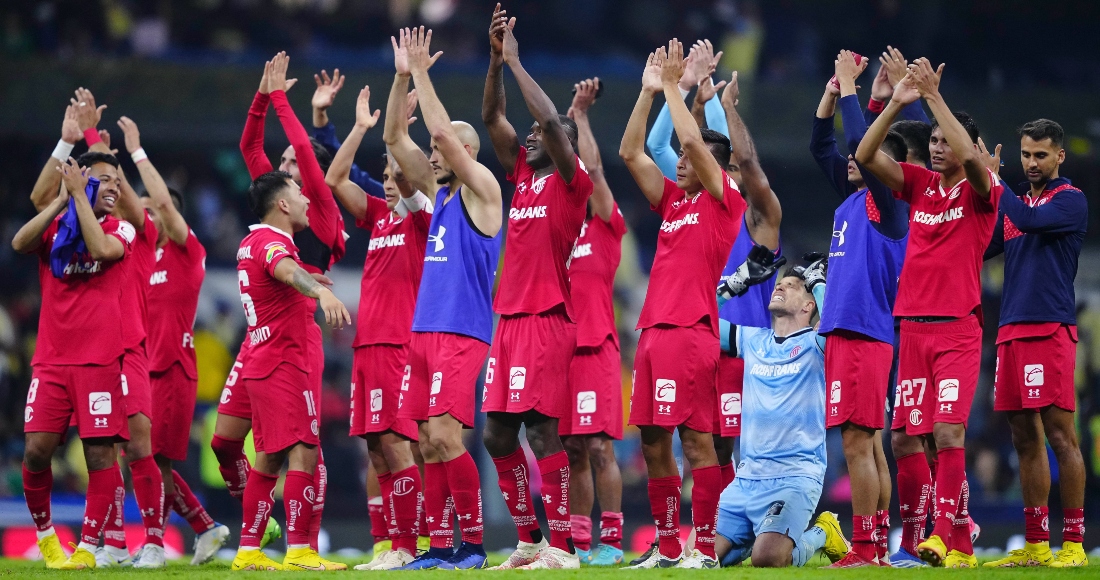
[[422, 543], [307, 559], [1030, 555], [1071, 555], [52, 552], [836, 547], [80, 560], [932, 550], [254, 561], [957, 559]]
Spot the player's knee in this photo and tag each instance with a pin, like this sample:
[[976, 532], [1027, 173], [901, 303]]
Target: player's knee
[[601, 453], [857, 442], [577, 451], [543, 438], [447, 445], [723, 449], [768, 556], [99, 455], [497, 444], [1064, 442], [949, 435], [699, 451], [1026, 437], [38, 453], [903, 444]]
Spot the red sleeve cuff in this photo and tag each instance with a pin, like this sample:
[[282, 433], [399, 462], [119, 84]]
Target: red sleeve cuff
[[876, 106], [91, 136]]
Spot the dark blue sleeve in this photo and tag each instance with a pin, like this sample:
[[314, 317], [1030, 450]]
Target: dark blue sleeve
[[829, 159], [1066, 212], [327, 136], [893, 213], [997, 243], [914, 112]]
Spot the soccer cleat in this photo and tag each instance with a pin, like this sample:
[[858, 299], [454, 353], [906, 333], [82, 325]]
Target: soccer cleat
[[208, 543], [957, 559], [975, 530], [525, 554], [698, 561], [308, 559], [883, 562], [81, 559], [151, 556], [903, 559], [391, 560], [111, 557], [852, 560], [645, 555], [836, 547], [655, 560], [467, 557], [585, 556], [52, 553], [429, 560], [377, 559], [272, 533], [606, 556], [422, 543], [254, 561], [551, 558], [1071, 555], [1031, 555], [932, 550]]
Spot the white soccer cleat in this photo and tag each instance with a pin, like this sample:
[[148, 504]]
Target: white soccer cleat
[[698, 561], [655, 560], [376, 560], [208, 543], [392, 560], [111, 557], [525, 554], [550, 558], [151, 556]]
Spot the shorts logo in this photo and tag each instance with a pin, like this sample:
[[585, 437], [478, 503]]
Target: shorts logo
[[834, 393], [665, 391], [949, 390], [514, 396], [664, 409], [1033, 393], [437, 382], [375, 400], [585, 419], [517, 377], [945, 407], [28, 414], [100, 421], [1033, 375], [731, 403], [915, 417], [403, 486], [586, 402], [313, 426], [99, 403]]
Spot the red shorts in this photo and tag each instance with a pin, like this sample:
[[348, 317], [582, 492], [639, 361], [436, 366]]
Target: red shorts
[[234, 400], [596, 384], [1036, 372], [284, 409], [857, 370], [731, 383], [136, 390], [535, 350], [174, 393], [442, 379], [377, 375], [90, 393], [937, 373], [675, 370]]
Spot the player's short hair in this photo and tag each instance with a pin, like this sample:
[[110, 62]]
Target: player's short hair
[[719, 146], [1040, 129], [90, 158], [265, 191], [572, 132], [916, 135], [324, 158], [894, 146], [967, 122], [467, 135], [797, 272], [177, 197]]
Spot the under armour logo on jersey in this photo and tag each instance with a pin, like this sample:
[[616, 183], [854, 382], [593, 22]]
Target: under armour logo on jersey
[[839, 234], [100, 421], [947, 500], [90, 522], [1033, 393], [438, 239]]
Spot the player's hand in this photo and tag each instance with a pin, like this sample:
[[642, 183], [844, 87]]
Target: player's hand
[[760, 265], [363, 117], [992, 161], [130, 133], [814, 274], [672, 63], [584, 94], [651, 75], [905, 92], [895, 64], [105, 137], [87, 114], [336, 314], [849, 65], [70, 128], [707, 90], [694, 70], [510, 44], [926, 80], [881, 89], [419, 50], [497, 26], [277, 80], [73, 176], [733, 90], [322, 279], [411, 101], [325, 93]]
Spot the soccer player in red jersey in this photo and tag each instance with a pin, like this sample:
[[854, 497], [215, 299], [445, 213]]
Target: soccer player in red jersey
[[393, 267], [537, 333], [77, 365], [595, 375], [321, 244], [677, 359], [278, 298], [953, 209]]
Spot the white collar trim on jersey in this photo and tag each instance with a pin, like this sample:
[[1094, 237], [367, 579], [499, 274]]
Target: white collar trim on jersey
[[255, 227]]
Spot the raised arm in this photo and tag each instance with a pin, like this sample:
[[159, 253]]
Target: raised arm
[[48, 184], [603, 202], [101, 247], [501, 133], [414, 164], [29, 237], [174, 224], [350, 195], [660, 143], [646, 174], [687, 131], [554, 137], [823, 143], [290, 273], [764, 211], [252, 139], [868, 155]]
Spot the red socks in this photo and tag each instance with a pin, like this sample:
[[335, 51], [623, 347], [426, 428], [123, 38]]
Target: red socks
[[258, 501], [863, 544], [581, 528], [514, 485], [320, 485], [404, 508], [149, 491], [555, 493], [104, 486], [882, 534], [914, 490], [1073, 528], [704, 506], [438, 506], [611, 529], [188, 506], [960, 528], [950, 476], [232, 463], [1036, 524], [298, 498], [727, 475], [664, 503], [36, 489], [465, 485]]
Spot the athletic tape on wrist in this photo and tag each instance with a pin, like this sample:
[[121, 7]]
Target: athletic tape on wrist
[[62, 151], [139, 155]]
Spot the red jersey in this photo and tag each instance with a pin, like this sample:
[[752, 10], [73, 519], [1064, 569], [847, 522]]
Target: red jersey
[[694, 243], [391, 274], [80, 322], [949, 231], [139, 266], [278, 315], [592, 278], [543, 223], [173, 299]]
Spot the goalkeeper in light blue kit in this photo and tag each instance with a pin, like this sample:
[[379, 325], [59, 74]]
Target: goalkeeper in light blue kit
[[765, 511]]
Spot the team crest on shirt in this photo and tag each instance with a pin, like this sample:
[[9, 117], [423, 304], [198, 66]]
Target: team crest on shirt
[[273, 249], [537, 185], [797, 349], [127, 231]]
